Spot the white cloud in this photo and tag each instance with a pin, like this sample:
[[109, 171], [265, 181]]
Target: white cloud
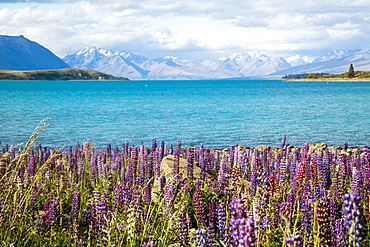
[[167, 27]]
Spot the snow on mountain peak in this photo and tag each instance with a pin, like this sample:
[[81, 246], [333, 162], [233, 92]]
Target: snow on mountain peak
[[241, 64]]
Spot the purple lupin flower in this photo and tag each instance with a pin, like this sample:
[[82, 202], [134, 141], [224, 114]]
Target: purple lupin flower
[[117, 196], [241, 227], [282, 172], [253, 186], [356, 184], [32, 203], [306, 213], [221, 181], [190, 164], [54, 210], [283, 140], [178, 147], [295, 240], [183, 230], [139, 214], [176, 163], [47, 209], [353, 219], [339, 233], [198, 205], [148, 195], [322, 171], [212, 218], [75, 205], [201, 237], [149, 244], [32, 165], [154, 144], [323, 220], [162, 183], [221, 223], [39, 223], [169, 197]]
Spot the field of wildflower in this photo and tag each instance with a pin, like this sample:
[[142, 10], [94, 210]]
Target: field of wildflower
[[180, 195]]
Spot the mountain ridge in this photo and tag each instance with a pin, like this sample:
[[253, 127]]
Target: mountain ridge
[[251, 64], [20, 53]]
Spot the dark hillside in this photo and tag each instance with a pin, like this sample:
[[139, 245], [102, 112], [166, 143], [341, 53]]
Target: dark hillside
[[19, 53]]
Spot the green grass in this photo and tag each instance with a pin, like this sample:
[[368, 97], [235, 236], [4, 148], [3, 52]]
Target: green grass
[[56, 74]]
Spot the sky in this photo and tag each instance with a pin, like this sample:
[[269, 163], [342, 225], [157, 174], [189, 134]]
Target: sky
[[190, 29]]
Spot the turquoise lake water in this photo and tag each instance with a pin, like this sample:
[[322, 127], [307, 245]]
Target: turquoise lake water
[[216, 113]]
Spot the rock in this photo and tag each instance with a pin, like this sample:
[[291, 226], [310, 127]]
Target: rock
[[317, 147], [166, 169], [261, 147]]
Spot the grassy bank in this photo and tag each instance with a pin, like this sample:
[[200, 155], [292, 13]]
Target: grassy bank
[[58, 74], [183, 196], [358, 76]]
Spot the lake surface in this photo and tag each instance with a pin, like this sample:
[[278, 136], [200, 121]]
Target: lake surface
[[216, 113]]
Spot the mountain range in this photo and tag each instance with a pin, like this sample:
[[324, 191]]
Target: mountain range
[[252, 64], [19, 53]]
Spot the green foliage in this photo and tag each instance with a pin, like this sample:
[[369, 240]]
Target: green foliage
[[311, 76], [57, 74], [351, 71]]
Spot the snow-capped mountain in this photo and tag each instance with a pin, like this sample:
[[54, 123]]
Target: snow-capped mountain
[[360, 62], [297, 60], [124, 63], [238, 65], [111, 61], [254, 63]]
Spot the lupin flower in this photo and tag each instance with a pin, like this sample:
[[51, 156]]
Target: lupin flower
[[31, 165], [162, 183], [294, 240], [241, 228], [148, 195], [75, 205], [212, 217], [183, 231], [190, 164], [154, 144], [339, 233], [149, 244], [47, 208], [201, 237], [306, 213], [253, 186], [176, 163], [39, 223], [198, 205], [353, 221], [221, 223], [323, 221], [32, 203], [169, 197]]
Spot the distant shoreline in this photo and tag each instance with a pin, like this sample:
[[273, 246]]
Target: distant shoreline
[[330, 79], [70, 74]]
